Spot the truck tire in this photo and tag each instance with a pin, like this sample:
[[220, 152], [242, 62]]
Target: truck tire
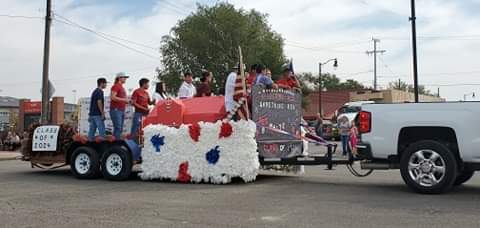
[[117, 163], [84, 163], [463, 177], [428, 167]]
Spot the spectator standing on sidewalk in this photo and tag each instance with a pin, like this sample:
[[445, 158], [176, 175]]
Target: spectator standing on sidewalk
[[118, 104], [344, 128], [319, 125], [140, 100], [96, 115]]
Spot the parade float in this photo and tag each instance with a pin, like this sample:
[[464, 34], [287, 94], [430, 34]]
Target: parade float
[[188, 140], [191, 141]]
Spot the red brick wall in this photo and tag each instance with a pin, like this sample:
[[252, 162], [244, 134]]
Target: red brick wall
[[331, 101]]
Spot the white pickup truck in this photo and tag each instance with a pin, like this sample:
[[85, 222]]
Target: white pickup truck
[[435, 145]]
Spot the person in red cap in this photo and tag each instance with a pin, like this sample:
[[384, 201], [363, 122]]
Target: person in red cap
[[289, 81], [118, 103]]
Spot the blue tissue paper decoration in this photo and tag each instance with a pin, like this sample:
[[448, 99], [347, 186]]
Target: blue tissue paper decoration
[[213, 155], [157, 141]]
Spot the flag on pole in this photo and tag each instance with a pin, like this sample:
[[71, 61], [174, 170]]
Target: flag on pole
[[290, 66]]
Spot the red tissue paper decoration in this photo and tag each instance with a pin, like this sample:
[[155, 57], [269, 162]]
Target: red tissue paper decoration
[[194, 131], [183, 175], [225, 130]]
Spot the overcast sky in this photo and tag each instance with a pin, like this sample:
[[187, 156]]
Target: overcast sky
[[314, 30]]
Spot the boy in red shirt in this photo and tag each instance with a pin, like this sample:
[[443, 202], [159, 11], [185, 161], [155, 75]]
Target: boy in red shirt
[[140, 100], [289, 81]]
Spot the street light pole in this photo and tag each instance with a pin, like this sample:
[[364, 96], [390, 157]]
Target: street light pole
[[320, 83], [74, 96], [320, 86]]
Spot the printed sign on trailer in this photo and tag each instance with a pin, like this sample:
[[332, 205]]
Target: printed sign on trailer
[[45, 138]]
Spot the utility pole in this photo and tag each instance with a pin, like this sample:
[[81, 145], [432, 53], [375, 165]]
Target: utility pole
[[374, 52], [46, 55], [414, 47]]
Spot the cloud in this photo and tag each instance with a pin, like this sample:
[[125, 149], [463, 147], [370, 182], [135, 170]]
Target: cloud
[[315, 30]]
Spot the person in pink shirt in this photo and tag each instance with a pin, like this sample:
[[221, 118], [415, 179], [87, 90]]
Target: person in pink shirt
[[353, 138]]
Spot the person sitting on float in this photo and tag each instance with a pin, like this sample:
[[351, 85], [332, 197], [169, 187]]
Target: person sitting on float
[[262, 78], [288, 81]]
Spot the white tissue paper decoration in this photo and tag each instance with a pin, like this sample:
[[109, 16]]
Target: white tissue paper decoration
[[237, 154]]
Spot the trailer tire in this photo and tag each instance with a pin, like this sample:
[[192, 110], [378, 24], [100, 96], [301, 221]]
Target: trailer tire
[[117, 163], [428, 167], [84, 163], [463, 177]]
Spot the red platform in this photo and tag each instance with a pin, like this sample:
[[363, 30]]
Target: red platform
[[187, 111]]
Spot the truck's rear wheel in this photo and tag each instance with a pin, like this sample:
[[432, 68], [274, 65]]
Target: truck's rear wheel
[[117, 163], [84, 163], [428, 167], [463, 177]]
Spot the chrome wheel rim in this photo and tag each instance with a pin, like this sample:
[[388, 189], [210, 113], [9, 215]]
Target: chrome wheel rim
[[82, 163], [426, 168], [114, 164]]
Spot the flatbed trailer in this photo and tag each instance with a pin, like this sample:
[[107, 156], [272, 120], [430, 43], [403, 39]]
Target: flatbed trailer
[[277, 117], [115, 159]]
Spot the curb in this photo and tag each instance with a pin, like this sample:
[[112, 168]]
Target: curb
[[10, 158]]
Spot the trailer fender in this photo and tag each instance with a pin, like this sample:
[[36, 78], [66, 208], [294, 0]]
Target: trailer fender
[[134, 149]]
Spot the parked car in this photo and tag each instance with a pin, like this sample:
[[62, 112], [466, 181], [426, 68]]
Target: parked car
[[330, 131], [351, 109]]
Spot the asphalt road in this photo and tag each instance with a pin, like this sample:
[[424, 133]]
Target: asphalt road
[[319, 198]]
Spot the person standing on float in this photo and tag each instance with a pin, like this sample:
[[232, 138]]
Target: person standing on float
[[118, 104]]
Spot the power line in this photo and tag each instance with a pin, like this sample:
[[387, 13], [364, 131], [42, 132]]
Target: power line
[[73, 24], [321, 49], [332, 45], [20, 16], [30, 82], [386, 66], [456, 74], [175, 8], [112, 36], [437, 37], [355, 74]]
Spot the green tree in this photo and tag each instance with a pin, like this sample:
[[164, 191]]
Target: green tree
[[208, 40], [398, 85], [330, 82], [401, 85]]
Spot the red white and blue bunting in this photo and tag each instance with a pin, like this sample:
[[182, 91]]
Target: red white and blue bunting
[[203, 152]]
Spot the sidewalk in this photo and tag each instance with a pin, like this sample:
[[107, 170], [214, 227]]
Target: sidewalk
[[9, 155]]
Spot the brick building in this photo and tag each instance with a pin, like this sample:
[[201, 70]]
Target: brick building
[[8, 112], [333, 100]]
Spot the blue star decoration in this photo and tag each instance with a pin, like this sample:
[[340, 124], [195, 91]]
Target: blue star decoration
[[157, 141], [213, 155]]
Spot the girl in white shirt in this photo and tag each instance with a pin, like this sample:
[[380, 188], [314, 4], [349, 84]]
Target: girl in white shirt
[[160, 92]]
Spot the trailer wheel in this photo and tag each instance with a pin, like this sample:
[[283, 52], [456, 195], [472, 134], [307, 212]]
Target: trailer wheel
[[117, 163], [84, 163], [463, 177], [428, 167]]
